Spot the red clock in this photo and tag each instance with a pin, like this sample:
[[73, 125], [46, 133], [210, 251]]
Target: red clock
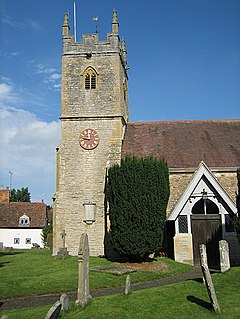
[[89, 139]]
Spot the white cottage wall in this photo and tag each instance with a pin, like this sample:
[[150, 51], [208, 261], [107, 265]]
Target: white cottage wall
[[7, 237]]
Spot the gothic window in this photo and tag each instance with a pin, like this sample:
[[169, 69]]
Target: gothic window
[[182, 224], [205, 206], [24, 221], [90, 79]]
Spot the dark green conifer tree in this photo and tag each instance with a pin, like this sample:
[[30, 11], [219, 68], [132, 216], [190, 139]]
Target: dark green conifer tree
[[137, 193]]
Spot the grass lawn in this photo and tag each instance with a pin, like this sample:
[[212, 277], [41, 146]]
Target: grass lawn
[[184, 300], [36, 272]]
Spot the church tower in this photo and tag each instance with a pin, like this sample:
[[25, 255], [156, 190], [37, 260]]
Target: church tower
[[94, 113]]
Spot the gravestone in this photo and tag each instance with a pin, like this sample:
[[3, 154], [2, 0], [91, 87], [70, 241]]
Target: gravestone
[[208, 279], [63, 250], [224, 255], [64, 301], [83, 272], [183, 250], [127, 285], [54, 311]]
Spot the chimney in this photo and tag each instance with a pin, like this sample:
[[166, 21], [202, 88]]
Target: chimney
[[5, 196]]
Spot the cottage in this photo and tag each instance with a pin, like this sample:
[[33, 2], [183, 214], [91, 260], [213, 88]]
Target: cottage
[[21, 223]]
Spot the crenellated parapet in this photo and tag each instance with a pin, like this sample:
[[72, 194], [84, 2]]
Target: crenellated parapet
[[90, 44]]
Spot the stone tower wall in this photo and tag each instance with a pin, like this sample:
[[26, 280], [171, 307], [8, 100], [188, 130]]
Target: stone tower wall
[[82, 180], [81, 173]]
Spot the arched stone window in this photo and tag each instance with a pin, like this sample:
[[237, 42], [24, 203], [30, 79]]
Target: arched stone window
[[205, 207], [90, 79]]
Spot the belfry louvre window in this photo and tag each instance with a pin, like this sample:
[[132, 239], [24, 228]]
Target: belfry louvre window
[[90, 79]]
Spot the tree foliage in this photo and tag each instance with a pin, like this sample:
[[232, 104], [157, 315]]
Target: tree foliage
[[46, 231], [20, 195], [137, 193]]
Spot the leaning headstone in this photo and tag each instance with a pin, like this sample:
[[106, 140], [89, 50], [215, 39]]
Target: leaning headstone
[[208, 279], [64, 301], [224, 255], [54, 311], [83, 272], [62, 252], [127, 285]]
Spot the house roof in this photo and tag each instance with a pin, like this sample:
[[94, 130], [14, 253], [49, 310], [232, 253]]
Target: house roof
[[11, 212], [184, 144]]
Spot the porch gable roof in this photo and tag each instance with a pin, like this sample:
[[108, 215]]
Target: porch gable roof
[[202, 170]]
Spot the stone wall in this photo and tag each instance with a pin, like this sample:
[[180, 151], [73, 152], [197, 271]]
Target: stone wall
[[81, 179], [228, 180], [178, 183]]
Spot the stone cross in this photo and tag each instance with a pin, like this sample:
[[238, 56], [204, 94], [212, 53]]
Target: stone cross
[[83, 294], [208, 279], [224, 255], [62, 252], [63, 235]]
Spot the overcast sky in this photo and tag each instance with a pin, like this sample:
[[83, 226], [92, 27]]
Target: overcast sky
[[184, 64]]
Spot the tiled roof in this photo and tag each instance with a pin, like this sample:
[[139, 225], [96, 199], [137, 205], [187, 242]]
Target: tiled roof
[[11, 212], [185, 144]]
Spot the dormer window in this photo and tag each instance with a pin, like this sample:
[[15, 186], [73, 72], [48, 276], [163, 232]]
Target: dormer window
[[90, 79], [24, 221]]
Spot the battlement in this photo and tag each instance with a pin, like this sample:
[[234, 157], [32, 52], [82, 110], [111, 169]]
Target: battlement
[[90, 44]]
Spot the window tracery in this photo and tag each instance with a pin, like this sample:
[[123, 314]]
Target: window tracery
[[90, 79]]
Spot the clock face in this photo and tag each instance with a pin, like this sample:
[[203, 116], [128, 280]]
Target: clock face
[[89, 139]]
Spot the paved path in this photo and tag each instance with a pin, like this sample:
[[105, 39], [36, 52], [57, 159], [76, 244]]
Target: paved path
[[35, 301]]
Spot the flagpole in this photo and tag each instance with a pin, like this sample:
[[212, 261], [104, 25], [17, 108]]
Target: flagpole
[[75, 21], [96, 19]]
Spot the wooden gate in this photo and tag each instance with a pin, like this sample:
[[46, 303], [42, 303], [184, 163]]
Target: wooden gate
[[207, 229]]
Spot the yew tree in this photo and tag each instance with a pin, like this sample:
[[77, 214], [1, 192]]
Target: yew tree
[[137, 193]]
